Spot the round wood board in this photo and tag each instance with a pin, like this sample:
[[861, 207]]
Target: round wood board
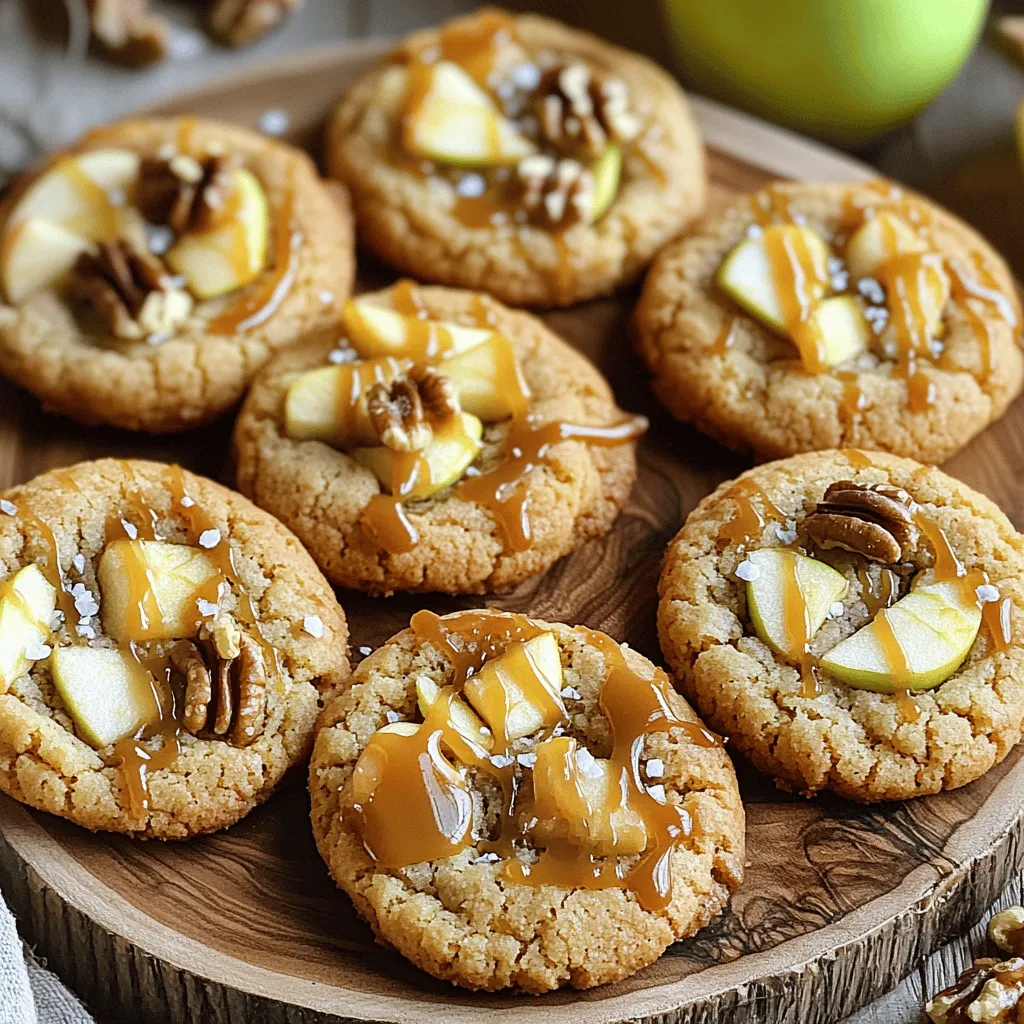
[[839, 901]]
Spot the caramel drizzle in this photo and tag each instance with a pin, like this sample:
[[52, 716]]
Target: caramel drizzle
[[53, 571], [853, 401], [400, 822], [797, 625], [747, 522], [725, 340], [385, 521], [880, 595], [857, 458]]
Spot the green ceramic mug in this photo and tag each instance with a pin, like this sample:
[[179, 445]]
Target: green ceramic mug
[[844, 69]]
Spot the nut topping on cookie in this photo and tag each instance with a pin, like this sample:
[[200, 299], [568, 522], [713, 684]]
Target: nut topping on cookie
[[556, 192], [874, 521], [184, 193]]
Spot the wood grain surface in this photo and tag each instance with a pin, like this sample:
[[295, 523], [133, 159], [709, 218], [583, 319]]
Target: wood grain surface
[[840, 901]]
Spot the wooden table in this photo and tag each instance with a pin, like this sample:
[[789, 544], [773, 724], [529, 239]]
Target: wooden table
[[959, 150]]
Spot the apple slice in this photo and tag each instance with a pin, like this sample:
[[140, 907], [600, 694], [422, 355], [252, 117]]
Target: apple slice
[[232, 253], [789, 597], [450, 119], [329, 404], [520, 692], [579, 799], [877, 241], [489, 380], [838, 331], [749, 273], [150, 588], [377, 331], [443, 461], [467, 736], [27, 603], [915, 644], [35, 253], [917, 289], [108, 694], [607, 172], [82, 192]]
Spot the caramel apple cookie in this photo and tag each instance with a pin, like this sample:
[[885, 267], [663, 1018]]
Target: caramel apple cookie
[[517, 156], [851, 621], [149, 272], [163, 648], [511, 802], [815, 316], [443, 443]]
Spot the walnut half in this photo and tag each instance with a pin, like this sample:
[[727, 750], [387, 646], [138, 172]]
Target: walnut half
[[128, 31], [404, 413], [875, 521], [241, 22], [556, 193], [989, 991]]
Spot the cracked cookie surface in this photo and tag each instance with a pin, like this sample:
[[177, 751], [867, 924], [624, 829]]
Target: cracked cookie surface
[[199, 371], [211, 783], [409, 211], [860, 744], [457, 917], [321, 492], [720, 368]]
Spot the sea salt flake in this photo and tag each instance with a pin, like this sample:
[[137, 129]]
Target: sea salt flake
[[872, 290], [532, 823], [571, 692], [159, 238], [755, 231], [987, 593], [85, 601], [342, 355], [274, 122], [655, 768], [836, 609], [748, 572], [501, 760], [786, 536], [79, 562], [209, 538], [527, 760], [86, 631], [37, 651], [57, 621], [393, 716], [208, 609], [658, 792], [326, 298], [799, 220], [526, 76], [186, 502], [588, 763], [469, 186], [364, 651], [486, 858], [130, 529], [313, 625], [8, 507]]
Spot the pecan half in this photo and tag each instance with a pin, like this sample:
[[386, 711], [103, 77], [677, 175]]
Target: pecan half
[[990, 991], [875, 521], [128, 291], [403, 414], [579, 110], [241, 22], [128, 31], [225, 697], [557, 193], [184, 193]]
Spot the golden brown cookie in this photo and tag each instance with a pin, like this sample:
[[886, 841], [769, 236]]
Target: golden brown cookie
[[851, 621], [624, 832], [514, 155], [813, 316], [148, 273], [511, 453], [163, 648]]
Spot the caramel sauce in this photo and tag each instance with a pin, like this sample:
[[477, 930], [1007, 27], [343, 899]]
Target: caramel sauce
[[878, 595], [771, 206], [726, 337], [857, 458], [53, 571], [412, 804], [565, 272], [747, 522], [260, 300], [853, 400], [907, 703], [996, 617], [354, 380], [385, 521], [186, 133], [526, 446], [473, 43]]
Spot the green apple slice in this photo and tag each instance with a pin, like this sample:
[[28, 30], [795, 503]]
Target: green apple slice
[[35, 253], [377, 331], [769, 593], [489, 380], [843, 331], [607, 172], [27, 603], [447, 456], [930, 631], [747, 274], [108, 694], [234, 252], [877, 241], [453, 121], [462, 721]]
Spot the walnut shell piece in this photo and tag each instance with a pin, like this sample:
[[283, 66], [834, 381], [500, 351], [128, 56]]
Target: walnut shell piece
[[875, 521]]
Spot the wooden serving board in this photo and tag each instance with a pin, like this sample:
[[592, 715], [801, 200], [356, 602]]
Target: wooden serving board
[[839, 903]]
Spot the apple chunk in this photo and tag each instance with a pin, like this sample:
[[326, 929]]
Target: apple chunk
[[377, 331], [232, 253], [489, 380], [150, 589], [108, 694], [27, 603], [877, 241], [467, 736], [452, 120], [519, 692], [790, 596], [607, 172], [917, 643], [35, 253], [839, 331], [442, 462]]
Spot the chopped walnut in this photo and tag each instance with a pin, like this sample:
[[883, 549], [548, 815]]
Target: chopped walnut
[[874, 521], [579, 111], [184, 193], [241, 22], [989, 991], [404, 414], [225, 684], [557, 193], [1006, 930], [128, 31], [128, 291]]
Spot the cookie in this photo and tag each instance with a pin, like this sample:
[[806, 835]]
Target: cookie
[[149, 272], [619, 832], [813, 316], [851, 621], [163, 648], [511, 154], [444, 443]]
